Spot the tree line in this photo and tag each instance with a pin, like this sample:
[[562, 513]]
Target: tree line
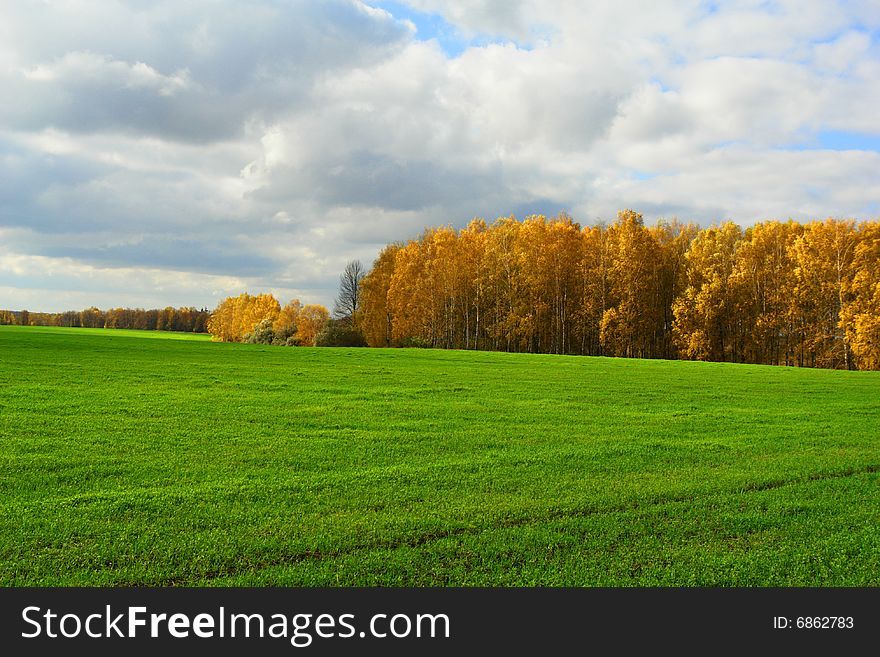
[[782, 293], [187, 319]]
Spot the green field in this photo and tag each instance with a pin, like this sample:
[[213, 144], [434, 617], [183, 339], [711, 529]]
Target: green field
[[131, 460]]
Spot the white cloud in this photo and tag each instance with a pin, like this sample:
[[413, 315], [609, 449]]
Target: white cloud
[[195, 148], [74, 66], [843, 52], [744, 185]]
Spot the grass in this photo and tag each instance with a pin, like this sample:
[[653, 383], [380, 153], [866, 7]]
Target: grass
[[131, 460]]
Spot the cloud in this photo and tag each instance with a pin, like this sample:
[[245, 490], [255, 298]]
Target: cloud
[[25, 279], [800, 185], [197, 72], [261, 145]]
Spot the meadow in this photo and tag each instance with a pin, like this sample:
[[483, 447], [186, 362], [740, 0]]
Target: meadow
[[146, 458]]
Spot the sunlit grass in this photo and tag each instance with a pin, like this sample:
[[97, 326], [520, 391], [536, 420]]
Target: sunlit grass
[[131, 460]]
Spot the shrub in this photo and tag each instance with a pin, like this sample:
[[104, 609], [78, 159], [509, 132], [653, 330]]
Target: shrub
[[262, 333], [338, 333]]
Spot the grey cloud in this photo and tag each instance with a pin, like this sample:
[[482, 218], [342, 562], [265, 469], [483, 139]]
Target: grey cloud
[[98, 105], [547, 207], [204, 256], [576, 119], [376, 179], [222, 65], [410, 194], [113, 203], [25, 174]]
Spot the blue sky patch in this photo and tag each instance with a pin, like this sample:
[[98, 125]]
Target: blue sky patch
[[430, 26], [838, 140], [643, 175], [848, 141], [451, 40]]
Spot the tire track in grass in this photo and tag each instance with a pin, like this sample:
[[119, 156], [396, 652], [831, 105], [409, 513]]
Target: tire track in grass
[[513, 523]]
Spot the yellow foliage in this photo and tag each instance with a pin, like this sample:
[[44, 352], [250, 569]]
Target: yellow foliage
[[860, 315], [778, 292], [375, 319], [309, 323], [236, 317]]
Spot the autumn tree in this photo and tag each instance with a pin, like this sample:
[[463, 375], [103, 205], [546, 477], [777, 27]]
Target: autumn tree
[[673, 241], [92, 318], [860, 314], [705, 326], [764, 277], [114, 318], [222, 324], [285, 325], [260, 308], [309, 323], [595, 263], [375, 318], [471, 263], [548, 254], [629, 325], [823, 269], [408, 298], [505, 323], [70, 318], [235, 318], [443, 283]]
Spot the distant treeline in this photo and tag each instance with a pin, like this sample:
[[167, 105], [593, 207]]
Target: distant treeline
[[781, 293], [190, 320]]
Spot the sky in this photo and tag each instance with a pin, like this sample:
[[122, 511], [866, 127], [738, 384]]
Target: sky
[[175, 153]]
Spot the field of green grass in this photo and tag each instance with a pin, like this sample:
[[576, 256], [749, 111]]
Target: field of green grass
[[133, 460]]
